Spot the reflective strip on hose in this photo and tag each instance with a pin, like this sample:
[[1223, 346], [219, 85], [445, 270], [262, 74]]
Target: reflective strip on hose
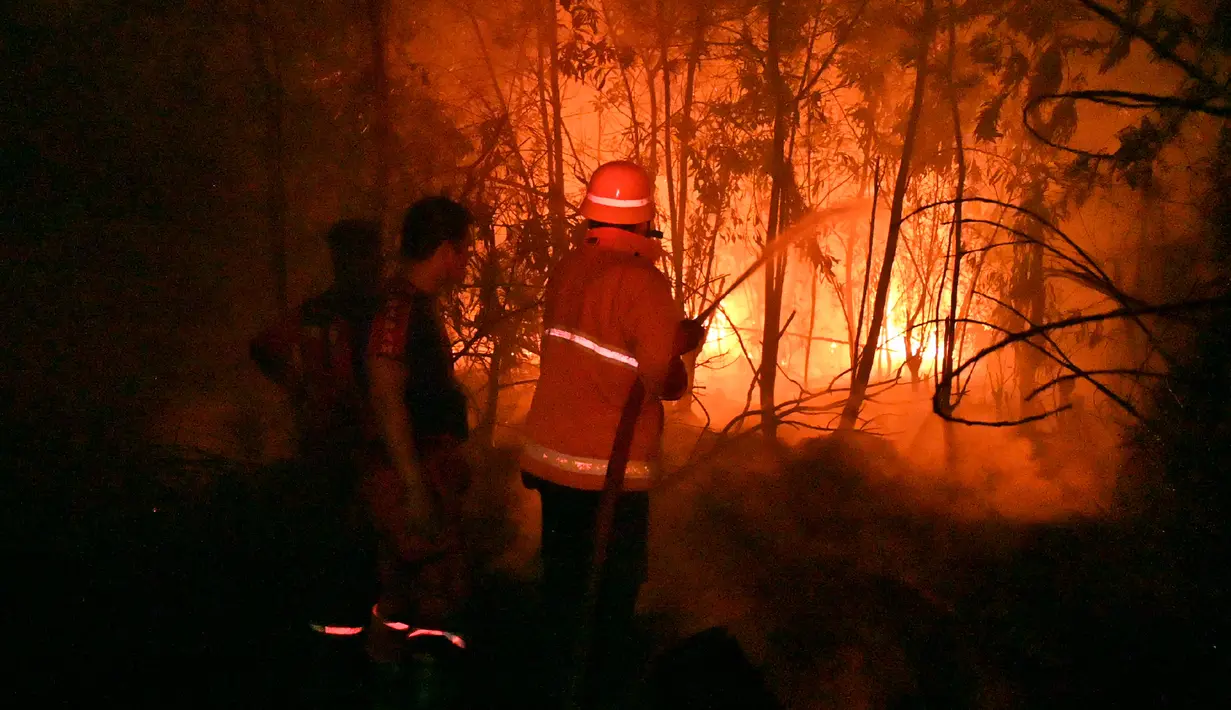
[[583, 465], [453, 638], [616, 202], [609, 353], [337, 630]]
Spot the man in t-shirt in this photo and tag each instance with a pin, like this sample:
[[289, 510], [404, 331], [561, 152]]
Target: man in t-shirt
[[418, 474]]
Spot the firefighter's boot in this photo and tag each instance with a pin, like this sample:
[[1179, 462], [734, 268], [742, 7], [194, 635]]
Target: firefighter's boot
[[436, 671], [429, 676], [334, 659]]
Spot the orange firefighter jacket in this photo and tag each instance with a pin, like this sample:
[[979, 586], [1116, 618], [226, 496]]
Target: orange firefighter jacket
[[609, 317]]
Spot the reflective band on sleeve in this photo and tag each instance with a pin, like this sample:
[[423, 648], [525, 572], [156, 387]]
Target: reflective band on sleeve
[[616, 202], [583, 465], [453, 638], [609, 353], [337, 630]]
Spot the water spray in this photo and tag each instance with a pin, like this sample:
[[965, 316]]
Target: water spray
[[805, 227]]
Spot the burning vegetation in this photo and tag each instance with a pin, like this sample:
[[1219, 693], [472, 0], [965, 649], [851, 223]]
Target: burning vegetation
[[970, 401]]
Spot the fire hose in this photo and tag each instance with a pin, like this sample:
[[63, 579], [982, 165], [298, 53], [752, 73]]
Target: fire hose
[[621, 447]]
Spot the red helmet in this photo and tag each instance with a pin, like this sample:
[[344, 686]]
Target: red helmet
[[620, 192]]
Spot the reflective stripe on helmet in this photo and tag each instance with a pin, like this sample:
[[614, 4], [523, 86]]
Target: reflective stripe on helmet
[[583, 465], [616, 202], [612, 354], [619, 192]]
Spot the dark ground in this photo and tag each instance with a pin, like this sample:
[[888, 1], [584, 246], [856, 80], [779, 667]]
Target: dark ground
[[169, 582], [150, 577], [176, 587]]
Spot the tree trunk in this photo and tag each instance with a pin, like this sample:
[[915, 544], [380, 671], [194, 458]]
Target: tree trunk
[[773, 270], [545, 120], [914, 358], [652, 135], [677, 239], [848, 293], [867, 271], [490, 295], [559, 227], [942, 402], [267, 56], [845, 298], [859, 383], [382, 120], [632, 112], [811, 331], [1031, 287], [686, 131]]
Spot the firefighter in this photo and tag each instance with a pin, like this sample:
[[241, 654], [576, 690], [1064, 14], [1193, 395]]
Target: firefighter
[[316, 354], [609, 317], [418, 471]]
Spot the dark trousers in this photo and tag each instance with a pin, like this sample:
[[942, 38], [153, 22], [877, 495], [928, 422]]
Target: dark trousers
[[333, 552], [569, 517], [421, 586], [337, 546]]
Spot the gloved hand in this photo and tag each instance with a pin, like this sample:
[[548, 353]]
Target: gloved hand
[[677, 381], [689, 336]]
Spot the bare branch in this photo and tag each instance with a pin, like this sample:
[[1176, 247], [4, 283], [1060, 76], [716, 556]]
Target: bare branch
[[518, 383], [839, 41], [1120, 99], [1042, 329], [1136, 31], [486, 328], [1065, 361], [1005, 423], [1086, 373]]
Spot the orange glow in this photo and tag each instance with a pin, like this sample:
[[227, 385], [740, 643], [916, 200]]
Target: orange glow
[[815, 349], [829, 355]]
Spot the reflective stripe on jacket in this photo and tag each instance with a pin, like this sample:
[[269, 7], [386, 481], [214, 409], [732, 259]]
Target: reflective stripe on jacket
[[609, 317]]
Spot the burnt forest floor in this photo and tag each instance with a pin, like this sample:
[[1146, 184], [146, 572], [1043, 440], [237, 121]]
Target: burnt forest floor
[[144, 578]]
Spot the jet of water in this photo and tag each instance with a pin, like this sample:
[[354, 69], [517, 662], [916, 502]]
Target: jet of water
[[805, 227]]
